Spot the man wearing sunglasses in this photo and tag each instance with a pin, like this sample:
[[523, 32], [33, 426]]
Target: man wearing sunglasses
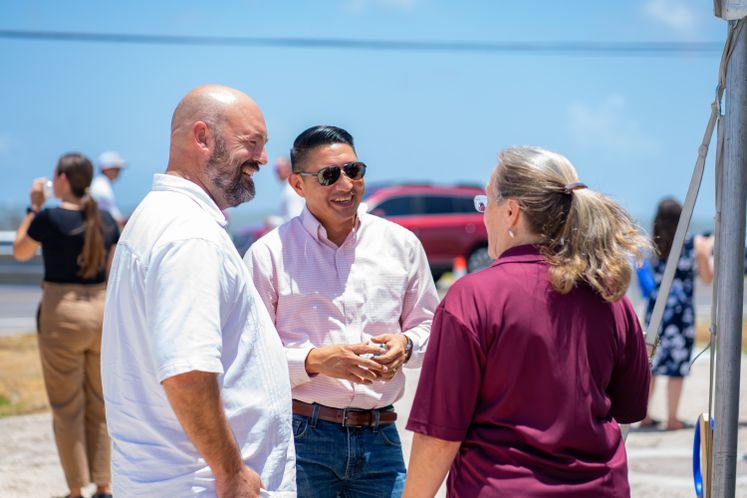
[[352, 298]]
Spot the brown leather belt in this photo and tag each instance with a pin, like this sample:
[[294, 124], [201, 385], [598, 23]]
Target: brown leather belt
[[347, 417]]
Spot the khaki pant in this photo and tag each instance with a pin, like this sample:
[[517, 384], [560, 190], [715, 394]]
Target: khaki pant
[[70, 347]]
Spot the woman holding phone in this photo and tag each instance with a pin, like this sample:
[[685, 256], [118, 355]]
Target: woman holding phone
[[77, 242]]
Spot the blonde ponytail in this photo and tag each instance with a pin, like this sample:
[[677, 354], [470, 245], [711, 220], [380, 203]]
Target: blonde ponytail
[[584, 235]]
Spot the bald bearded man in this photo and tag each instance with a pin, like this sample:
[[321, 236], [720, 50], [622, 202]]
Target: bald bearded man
[[190, 357]]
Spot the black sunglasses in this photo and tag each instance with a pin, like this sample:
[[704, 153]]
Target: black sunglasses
[[329, 175]]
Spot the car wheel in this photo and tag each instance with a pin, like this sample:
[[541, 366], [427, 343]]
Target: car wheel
[[478, 259]]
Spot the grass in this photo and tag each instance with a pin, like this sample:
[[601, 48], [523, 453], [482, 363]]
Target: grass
[[21, 383]]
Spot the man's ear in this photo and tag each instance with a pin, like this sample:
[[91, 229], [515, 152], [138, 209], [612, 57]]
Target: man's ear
[[294, 180], [201, 136]]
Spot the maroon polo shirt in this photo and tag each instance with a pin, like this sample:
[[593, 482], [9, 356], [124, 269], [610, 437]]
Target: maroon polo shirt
[[533, 383]]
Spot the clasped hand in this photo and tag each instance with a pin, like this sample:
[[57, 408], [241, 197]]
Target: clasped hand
[[344, 361]]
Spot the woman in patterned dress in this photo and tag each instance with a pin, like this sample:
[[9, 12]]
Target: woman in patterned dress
[[677, 332]]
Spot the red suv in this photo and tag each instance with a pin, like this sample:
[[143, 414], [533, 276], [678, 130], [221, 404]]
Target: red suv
[[443, 217]]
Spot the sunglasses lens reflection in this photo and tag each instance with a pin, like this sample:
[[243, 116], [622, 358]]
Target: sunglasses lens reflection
[[328, 176], [354, 171]]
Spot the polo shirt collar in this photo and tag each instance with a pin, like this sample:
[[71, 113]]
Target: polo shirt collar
[[172, 183], [314, 227], [524, 253]]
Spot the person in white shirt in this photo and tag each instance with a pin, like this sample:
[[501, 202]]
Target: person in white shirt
[[291, 204], [352, 298], [190, 356], [111, 165]]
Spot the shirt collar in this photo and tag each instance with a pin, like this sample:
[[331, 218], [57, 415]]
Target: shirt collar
[[525, 253], [171, 183], [314, 227]]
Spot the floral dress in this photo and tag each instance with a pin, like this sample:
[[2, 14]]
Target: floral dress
[[677, 332]]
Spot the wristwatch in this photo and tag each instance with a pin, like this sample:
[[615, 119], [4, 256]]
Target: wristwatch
[[30, 210], [408, 348]]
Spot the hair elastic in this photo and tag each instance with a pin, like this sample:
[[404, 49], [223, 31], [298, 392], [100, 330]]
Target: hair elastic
[[570, 187]]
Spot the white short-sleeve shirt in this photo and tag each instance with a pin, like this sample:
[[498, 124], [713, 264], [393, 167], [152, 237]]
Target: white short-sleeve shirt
[[102, 191], [180, 299]]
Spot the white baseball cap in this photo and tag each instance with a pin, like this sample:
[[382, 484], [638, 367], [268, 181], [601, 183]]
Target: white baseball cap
[[111, 159]]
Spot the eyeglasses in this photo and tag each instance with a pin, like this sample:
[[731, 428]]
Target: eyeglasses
[[329, 175], [481, 203]]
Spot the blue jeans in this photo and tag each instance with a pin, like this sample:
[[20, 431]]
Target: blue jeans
[[334, 461]]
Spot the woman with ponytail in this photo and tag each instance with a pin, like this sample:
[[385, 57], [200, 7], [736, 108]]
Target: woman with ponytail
[[77, 242], [533, 362]]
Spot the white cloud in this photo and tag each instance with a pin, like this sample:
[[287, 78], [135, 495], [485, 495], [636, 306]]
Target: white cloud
[[389, 4], [607, 126], [675, 14]]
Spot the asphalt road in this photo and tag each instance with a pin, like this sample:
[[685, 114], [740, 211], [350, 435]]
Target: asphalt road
[[18, 305]]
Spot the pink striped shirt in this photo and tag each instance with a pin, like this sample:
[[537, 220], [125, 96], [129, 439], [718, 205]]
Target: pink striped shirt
[[376, 282]]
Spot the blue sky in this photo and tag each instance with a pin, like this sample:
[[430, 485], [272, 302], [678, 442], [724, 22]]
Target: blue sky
[[631, 125]]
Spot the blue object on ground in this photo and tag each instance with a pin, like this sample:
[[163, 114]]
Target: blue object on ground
[[697, 474], [646, 281]]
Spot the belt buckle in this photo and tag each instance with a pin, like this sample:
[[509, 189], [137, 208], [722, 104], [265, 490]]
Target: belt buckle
[[345, 414], [344, 417]]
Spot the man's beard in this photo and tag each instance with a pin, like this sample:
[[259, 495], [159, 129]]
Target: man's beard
[[227, 179]]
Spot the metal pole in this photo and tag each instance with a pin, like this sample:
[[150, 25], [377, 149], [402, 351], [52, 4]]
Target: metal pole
[[730, 246]]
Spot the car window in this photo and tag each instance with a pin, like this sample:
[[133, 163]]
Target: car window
[[408, 205], [438, 204], [443, 204], [464, 205], [398, 206]]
